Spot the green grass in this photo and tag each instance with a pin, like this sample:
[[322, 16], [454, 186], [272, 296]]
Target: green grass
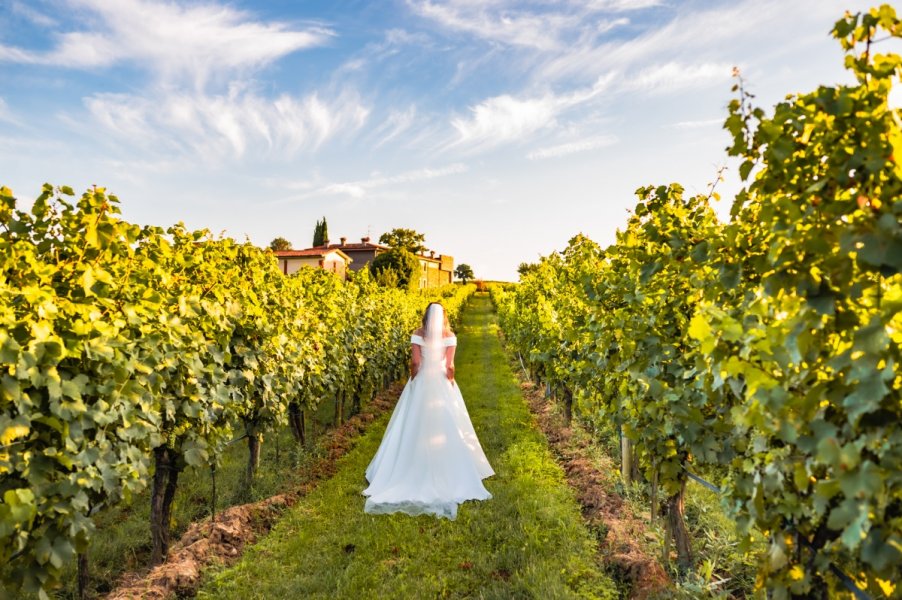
[[529, 541]]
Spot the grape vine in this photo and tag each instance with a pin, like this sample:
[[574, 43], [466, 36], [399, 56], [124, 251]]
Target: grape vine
[[767, 349], [130, 353]]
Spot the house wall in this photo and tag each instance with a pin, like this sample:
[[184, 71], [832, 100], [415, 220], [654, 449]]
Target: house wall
[[446, 269], [294, 263], [360, 258], [331, 262], [336, 264], [433, 272], [433, 275]]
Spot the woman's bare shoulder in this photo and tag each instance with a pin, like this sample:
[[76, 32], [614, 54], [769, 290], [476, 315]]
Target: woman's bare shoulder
[[420, 332]]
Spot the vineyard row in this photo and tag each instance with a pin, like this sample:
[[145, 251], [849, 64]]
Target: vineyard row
[[129, 353], [764, 351]]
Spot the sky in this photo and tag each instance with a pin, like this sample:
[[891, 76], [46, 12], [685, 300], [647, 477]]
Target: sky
[[497, 128]]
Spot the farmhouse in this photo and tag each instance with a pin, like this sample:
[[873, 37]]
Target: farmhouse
[[362, 253], [436, 270], [330, 259]]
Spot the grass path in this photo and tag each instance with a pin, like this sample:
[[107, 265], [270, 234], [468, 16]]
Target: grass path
[[527, 542]]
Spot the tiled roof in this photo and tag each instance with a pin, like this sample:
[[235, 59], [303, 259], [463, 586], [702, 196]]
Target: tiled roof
[[352, 247], [308, 252], [358, 246], [370, 246]]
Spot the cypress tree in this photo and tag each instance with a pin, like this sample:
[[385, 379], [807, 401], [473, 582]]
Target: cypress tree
[[318, 234]]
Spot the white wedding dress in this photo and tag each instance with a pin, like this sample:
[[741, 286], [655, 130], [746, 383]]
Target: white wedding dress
[[430, 459]]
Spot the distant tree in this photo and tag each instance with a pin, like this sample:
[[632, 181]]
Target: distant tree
[[280, 243], [526, 268], [320, 233], [464, 272], [386, 278], [396, 268], [408, 239]]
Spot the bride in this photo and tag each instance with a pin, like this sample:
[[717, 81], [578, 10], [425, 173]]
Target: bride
[[429, 460]]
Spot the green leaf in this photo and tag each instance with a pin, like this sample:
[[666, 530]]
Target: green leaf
[[13, 431], [872, 338], [745, 169], [699, 328], [867, 397], [196, 457], [882, 551], [863, 482], [18, 508]]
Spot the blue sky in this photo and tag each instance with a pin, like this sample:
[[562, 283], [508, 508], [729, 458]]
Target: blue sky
[[499, 129]]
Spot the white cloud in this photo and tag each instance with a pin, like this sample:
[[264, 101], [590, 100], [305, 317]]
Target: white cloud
[[672, 75], [198, 101], [607, 25], [536, 25], [509, 26], [691, 36], [344, 189], [561, 45], [505, 118], [234, 125], [689, 49], [574, 147], [401, 37], [174, 40], [697, 124], [10, 54], [396, 123], [15, 147], [412, 176], [394, 42], [360, 188], [622, 5], [6, 115], [35, 16], [502, 119]]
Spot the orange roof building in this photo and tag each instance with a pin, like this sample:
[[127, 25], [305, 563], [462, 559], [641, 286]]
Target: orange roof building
[[436, 271]]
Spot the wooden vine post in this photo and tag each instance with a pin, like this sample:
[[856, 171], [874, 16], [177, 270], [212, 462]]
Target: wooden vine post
[[83, 575], [626, 459], [296, 423], [654, 492], [568, 405], [254, 442]]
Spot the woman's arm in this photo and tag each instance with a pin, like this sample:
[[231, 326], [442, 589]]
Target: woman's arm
[[416, 358], [449, 362]]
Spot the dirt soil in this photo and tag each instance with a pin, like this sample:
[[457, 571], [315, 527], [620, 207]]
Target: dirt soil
[[222, 542], [602, 508]]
